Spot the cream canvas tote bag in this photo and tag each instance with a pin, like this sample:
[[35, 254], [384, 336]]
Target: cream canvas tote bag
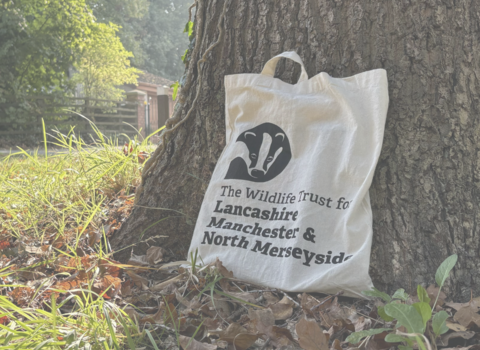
[[288, 205]]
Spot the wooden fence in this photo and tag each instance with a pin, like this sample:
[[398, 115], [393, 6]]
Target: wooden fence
[[110, 117]]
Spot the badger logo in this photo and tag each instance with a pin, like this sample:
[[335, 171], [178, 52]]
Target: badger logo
[[269, 153]]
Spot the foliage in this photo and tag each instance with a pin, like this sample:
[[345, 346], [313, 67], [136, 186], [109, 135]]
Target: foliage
[[38, 40], [164, 41], [63, 290], [104, 64], [129, 15], [52, 208], [415, 317], [151, 30]]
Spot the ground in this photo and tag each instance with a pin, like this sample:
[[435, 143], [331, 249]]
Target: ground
[[61, 286]]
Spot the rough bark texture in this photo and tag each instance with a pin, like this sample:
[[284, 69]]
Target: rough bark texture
[[425, 195]]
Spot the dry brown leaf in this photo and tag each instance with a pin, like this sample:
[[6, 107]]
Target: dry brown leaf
[[280, 337], [432, 292], [222, 269], [467, 316], [171, 315], [138, 260], [336, 345], [245, 296], [281, 311], [362, 323], [127, 288], [37, 250], [112, 283], [22, 295], [188, 343], [261, 320], [238, 336], [310, 335], [31, 275], [155, 255], [94, 236], [210, 323], [446, 337], [220, 305], [191, 330], [156, 318], [270, 298], [160, 286], [109, 267], [181, 299], [456, 327], [140, 281], [307, 302], [132, 313]]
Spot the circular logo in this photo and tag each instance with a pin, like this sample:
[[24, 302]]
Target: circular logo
[[269, 153]]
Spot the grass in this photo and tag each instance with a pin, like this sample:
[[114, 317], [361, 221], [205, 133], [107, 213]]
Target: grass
[[57, 207]]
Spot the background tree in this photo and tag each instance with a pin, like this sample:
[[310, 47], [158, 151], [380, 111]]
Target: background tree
[[151, 30], [38, 41], [425, 195], [104, 64], [129, 15]]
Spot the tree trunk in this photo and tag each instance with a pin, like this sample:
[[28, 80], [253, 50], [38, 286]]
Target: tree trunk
[[426, 188]]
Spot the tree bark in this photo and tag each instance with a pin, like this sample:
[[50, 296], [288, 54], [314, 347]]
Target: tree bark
[[426, 188]]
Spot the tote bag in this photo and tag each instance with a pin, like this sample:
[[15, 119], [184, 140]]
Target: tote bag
[[288, 205]]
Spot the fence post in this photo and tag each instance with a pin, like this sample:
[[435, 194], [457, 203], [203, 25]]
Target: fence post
[[141, 98]]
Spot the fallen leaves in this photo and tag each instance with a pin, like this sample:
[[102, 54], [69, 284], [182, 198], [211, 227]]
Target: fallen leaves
[[238, 336], [467, 316], [310, 335], [22, 296], [188, 343]]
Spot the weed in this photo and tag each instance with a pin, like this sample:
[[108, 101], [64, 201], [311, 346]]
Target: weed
[[416, 318]]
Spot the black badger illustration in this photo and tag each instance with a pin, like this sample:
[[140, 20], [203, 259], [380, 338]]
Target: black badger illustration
[[269, 153]]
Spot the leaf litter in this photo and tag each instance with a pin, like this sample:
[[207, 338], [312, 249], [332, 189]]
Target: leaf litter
[[208, 308], [201, 307]]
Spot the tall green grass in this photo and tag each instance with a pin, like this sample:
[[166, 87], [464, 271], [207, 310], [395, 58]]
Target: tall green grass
[[50, 200], [45, 194]]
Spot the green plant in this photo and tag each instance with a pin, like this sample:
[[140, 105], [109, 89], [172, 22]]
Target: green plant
[[56, 201], [103, 63], [416, 318]]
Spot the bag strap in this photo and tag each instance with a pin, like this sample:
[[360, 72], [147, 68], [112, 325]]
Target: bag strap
[[269, 68]]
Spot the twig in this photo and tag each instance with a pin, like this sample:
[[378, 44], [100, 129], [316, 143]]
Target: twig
[[325, 300], [291, 299]]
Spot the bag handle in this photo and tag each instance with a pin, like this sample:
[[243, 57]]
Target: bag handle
[[269, 68]]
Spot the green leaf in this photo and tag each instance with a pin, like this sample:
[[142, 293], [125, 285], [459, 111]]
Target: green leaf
[[400, 294], [422, 294], [175, 89], [377, 294], [424, 310], [151, 339], [407, 316], [184, 57], [403, 347], [189, 28], [354, 338], [420, 343], [444, 269], [439, 323], [395, 338], [381, 312]]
